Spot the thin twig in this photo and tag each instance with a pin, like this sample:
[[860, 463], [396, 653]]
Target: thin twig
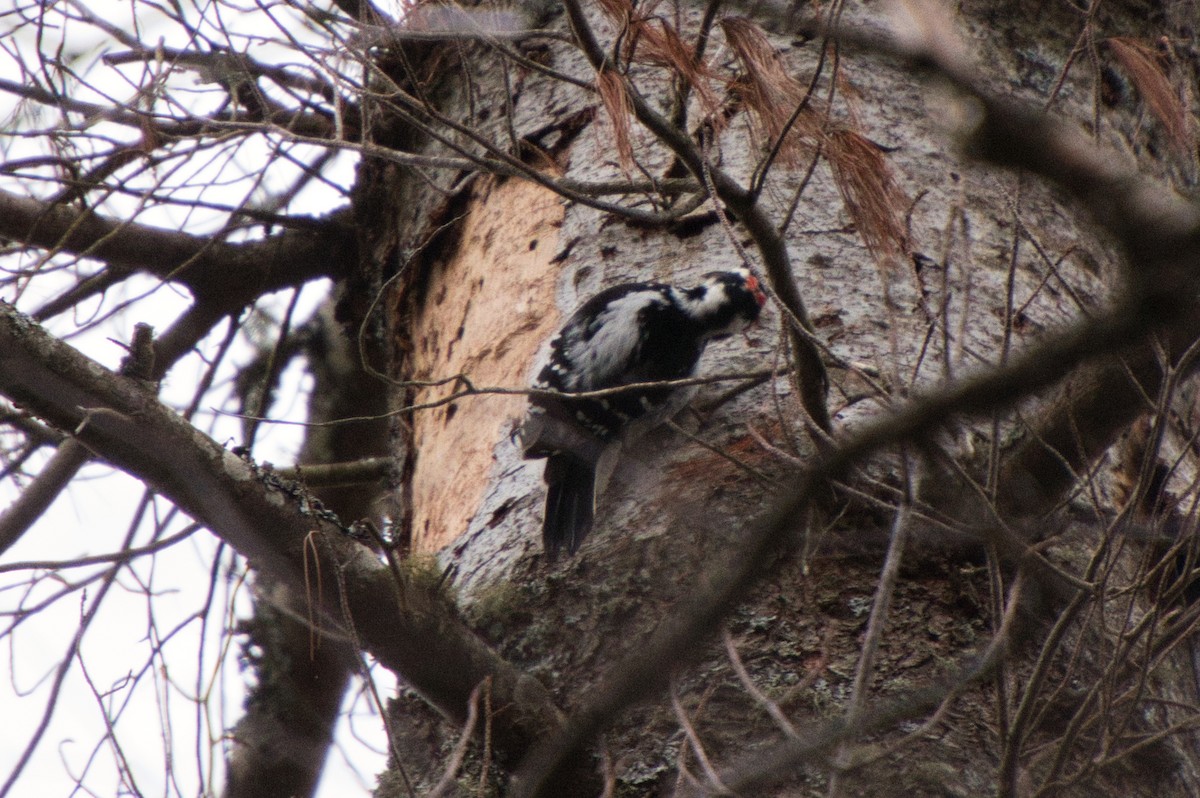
[[460, 748]]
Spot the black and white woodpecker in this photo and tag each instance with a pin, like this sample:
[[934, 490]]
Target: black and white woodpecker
[[627, 334]]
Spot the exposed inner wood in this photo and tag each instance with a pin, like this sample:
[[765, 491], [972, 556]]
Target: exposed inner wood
[[491, 305]]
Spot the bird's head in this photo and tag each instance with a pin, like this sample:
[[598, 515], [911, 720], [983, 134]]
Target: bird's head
[[726, 302]]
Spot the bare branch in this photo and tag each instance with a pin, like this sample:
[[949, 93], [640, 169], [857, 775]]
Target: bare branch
[[328, 475], [407, 628], [307, 123], [460, 749], [231, 275], [29, 505]]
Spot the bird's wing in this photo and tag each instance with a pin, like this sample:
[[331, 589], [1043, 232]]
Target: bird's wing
[[605, 347]]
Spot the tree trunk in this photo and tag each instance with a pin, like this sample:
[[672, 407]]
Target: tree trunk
[[981, 264]]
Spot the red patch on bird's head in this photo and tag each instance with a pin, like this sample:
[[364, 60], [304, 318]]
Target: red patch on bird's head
[[752, 284]]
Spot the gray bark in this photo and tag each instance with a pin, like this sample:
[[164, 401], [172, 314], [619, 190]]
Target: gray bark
[[999, 262]]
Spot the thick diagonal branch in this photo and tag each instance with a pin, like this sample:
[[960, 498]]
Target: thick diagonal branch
[[407, 628]]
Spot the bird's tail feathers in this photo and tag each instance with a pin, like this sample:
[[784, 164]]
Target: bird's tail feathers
[[570, 498]]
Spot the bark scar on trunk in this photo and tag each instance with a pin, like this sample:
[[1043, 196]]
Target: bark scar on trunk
[[491, 305]]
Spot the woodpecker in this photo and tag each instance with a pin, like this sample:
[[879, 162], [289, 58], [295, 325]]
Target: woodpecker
[[630, 333]]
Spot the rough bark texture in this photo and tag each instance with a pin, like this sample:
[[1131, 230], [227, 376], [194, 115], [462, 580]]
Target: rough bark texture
[[998, 260]]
